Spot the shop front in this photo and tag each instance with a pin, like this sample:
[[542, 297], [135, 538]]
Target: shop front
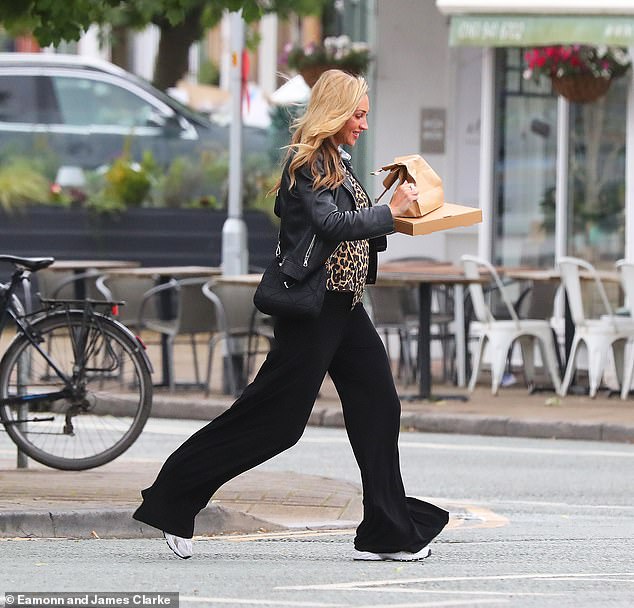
[[556, 174]]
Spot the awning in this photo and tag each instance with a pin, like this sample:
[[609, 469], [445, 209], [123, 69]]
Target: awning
[[532, 30]]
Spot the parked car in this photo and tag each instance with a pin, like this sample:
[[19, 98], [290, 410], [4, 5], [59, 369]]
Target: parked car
[[85, 110]]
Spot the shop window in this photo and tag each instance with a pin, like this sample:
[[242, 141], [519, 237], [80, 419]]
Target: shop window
[[596, 178], [525, 171]]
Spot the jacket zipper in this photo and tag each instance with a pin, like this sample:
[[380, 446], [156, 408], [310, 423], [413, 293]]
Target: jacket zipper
[[309, 251], [350, 190]]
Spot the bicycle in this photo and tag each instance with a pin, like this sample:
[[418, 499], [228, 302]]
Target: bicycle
[[75, 384]]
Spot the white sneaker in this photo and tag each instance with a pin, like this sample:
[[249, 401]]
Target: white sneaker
[[180, 546], [399, 556]]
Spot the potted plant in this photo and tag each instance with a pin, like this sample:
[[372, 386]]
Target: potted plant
[[21, 183], [336, 52], [580, 73]]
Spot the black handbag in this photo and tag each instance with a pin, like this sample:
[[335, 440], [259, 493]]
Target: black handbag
[[281, 296]]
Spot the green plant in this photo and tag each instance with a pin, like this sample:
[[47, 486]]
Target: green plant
[[208, 73], [125, 184], [21, 183], [194, 184], [336, 51], [600, 62], [258, 183], [35, 153]]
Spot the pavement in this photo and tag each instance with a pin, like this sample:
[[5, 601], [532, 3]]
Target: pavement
[[41, 502]]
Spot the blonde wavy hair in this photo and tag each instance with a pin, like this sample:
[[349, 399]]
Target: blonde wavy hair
[[333, 100]]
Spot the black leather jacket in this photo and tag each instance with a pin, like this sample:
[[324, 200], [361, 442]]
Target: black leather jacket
[[314, 222]]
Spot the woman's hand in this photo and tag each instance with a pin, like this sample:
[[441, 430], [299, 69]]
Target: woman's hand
[[402, 198]]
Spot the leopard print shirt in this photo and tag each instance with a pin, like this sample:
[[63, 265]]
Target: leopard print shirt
[[347, 266]]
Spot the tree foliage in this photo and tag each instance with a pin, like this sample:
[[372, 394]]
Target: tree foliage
[[52, 21]]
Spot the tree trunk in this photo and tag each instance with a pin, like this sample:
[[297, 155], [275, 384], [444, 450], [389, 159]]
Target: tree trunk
[[120, 47], [173, 52]]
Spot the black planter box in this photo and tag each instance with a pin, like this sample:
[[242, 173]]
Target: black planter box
[[152, 237]]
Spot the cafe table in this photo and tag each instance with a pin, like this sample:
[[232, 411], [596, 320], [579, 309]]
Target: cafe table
[[251, 279], [162, 275], [166, 273], [423, 275], [83, 268]]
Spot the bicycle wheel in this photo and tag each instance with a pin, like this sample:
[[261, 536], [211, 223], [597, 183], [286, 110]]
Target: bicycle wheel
[[84, 406]]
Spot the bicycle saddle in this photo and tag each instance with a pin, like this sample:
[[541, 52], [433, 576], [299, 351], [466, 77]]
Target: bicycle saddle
[[31, 264]]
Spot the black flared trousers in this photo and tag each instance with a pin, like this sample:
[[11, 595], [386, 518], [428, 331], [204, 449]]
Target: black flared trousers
[[271, 414]]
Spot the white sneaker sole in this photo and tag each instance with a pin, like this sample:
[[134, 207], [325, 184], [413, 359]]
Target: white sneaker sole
[[182, 547], [400, 556]]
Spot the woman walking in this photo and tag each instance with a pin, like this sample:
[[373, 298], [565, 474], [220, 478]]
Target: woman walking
[[326, 219]]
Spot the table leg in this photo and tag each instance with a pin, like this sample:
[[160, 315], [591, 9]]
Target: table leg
[[166, 312], [79, 286], [461, 338], [424, 350], [424, 338]]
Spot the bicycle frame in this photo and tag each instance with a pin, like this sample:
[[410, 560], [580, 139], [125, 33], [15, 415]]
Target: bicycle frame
[[12, 308], [74, 368]]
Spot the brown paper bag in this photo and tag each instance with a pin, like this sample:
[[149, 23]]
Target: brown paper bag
[[414, 168]]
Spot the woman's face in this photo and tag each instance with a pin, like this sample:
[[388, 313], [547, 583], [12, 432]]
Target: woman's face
[[355, 125]]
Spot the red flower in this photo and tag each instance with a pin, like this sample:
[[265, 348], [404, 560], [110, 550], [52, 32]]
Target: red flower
[[576, 59]]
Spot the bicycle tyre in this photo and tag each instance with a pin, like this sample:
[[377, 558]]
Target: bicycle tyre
[[115, 402]]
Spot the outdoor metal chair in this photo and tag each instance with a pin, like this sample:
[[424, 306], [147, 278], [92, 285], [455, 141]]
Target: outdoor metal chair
[[442, 317], [68, 285], [182, 310], [626, 276], [132, 291], [599, 335], [501, 334], [389, 312], [240, 326]]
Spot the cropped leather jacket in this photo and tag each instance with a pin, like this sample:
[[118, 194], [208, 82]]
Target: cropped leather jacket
[[314, 222]]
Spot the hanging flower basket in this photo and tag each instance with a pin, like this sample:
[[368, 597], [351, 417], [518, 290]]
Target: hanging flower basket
[[579, 73], [581, 88], [339, 53], [311, 73]]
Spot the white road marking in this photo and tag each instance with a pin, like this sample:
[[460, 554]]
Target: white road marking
[[471, 447], [254, 602], [436, 604], [454, 592], [186, 428], [239, 538], [499, 577], [530, 503]]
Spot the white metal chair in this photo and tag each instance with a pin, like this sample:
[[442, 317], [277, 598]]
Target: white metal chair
[[500, 334], [626, 276], [599, 335]]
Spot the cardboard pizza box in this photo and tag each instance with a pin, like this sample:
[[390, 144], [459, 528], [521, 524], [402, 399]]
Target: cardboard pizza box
[[449, 215]]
